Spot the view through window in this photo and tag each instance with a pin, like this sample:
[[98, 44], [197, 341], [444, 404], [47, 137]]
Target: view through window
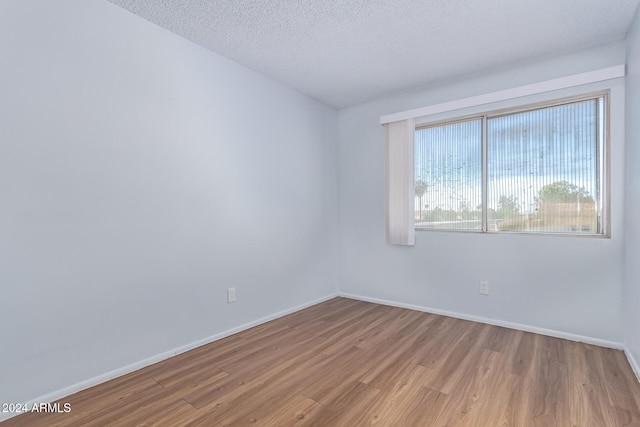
[[534, 171]]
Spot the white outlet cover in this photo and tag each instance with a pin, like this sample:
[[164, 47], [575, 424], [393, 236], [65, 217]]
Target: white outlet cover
[[484, 288], [231, 295]]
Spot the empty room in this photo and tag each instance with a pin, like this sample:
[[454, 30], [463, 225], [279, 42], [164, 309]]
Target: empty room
[[327, 213]]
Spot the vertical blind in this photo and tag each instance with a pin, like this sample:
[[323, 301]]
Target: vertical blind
[[448, 171], [543, 171], [400, 229]]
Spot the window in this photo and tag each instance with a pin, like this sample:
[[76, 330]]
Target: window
[[532, 170]]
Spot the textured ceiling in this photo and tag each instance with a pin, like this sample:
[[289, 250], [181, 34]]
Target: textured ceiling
[[344, 52]]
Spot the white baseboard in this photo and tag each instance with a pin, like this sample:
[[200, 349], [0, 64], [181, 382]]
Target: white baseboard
[[633, 363], [510, 325], [59, 394]]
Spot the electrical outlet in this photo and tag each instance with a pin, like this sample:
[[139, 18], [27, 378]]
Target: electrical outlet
[[231, 295], [484, 287]]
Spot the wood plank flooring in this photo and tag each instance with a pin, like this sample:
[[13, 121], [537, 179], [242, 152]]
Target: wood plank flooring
[[352, 363]]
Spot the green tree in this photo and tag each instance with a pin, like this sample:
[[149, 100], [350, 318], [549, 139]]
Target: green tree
[[563, 192], [420, 188], [565, 205]]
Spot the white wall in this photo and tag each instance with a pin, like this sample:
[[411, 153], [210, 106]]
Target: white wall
[[632, 197], [140, 176], [563, 284]]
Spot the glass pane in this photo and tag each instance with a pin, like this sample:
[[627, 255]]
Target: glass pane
[[448, 176], [542, 170]]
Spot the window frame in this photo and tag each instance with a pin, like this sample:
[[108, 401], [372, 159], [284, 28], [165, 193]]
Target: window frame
[[602, 151]]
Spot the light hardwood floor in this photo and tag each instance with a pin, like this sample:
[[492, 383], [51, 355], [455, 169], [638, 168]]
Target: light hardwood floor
[[352, 363]]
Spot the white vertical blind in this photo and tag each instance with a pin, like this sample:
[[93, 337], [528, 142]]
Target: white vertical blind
[[448, 173], [542, 168], [399, 182]]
